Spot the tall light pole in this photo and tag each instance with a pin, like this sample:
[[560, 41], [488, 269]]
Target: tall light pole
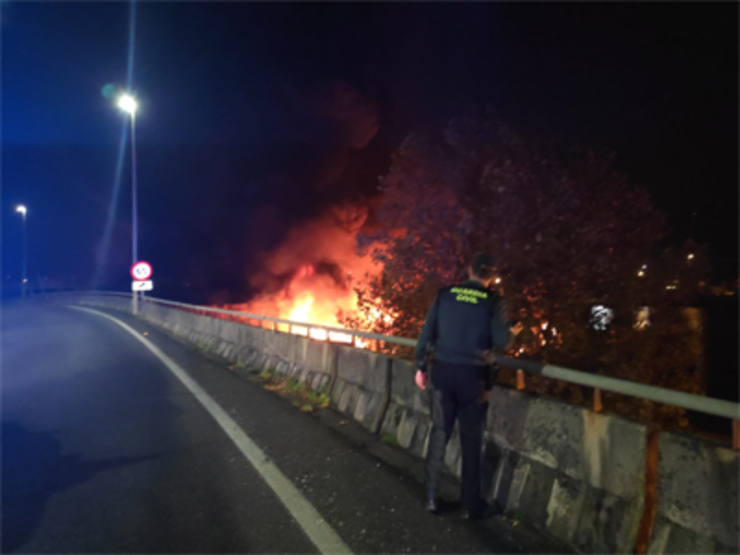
[[128, 104], [22, 211]]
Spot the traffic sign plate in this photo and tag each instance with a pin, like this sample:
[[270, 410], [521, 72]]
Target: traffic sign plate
[[141, 271], [142, 285]]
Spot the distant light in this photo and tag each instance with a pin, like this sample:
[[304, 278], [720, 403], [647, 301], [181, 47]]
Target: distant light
[[128, 104], [643, 318], [690, 256], [640, 273], [21, 209], [601, 316], [644, 266], [497, 281]]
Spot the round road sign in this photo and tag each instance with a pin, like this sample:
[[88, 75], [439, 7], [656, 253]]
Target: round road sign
[[141, 271]]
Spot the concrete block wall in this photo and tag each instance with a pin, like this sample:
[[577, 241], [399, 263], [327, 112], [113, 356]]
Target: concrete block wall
[[317, 363], [362, 387], [576, 474], [311, 362], [408, 416], [697, 494]]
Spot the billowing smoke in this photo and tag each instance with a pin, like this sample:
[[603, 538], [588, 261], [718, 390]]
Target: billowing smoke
[[347, 118], [310, 275]]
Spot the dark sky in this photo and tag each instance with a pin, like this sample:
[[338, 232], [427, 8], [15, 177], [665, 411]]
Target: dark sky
[[253, 116]]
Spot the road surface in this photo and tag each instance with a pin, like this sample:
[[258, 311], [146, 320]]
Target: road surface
[[105, 448]]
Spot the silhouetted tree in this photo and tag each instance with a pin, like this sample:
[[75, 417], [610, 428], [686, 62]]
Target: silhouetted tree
[[568, 232]]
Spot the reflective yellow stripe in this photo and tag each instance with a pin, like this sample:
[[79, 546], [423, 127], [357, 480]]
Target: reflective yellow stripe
[[466, 299], [469, 292]]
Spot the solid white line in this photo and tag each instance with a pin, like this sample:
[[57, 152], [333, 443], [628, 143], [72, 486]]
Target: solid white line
[[316, 528]]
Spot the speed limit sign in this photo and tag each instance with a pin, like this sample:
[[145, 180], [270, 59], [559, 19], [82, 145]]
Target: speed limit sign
[[141, 271]]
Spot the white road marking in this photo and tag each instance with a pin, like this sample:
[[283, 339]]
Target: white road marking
[[316, 528]]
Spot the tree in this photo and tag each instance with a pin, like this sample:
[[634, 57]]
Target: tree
[[569, 233]]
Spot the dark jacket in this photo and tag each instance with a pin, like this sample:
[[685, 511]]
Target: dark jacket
[[463, 322]]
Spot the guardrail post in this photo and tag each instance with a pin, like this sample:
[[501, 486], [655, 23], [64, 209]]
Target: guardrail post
[[736, 435], [598, 406], [520, 380]]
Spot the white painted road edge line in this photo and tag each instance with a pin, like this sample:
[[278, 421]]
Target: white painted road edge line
[[316, 528]]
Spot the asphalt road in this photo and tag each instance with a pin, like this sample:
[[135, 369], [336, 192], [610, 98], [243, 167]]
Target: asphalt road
[[105, 450]]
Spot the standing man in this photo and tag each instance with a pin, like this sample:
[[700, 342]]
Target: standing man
[[464, 323]]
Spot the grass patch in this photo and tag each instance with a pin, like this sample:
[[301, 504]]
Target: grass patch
[[390, 439], [241, 365], [298, 393], [318, 398], [205, 347]]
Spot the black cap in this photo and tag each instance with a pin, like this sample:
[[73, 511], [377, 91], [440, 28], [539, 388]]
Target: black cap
[[483, 265]]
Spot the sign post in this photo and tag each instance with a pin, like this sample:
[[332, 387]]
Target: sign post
[[141, 272], [142, 285]]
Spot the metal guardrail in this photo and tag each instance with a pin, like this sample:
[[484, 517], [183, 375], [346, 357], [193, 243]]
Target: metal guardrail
[[698, 403], [404, 341]]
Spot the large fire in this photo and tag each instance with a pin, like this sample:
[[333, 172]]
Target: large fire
[[312, 279]]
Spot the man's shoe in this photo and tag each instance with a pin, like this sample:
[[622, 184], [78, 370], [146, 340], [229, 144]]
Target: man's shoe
[[486, 512], [432, 506]]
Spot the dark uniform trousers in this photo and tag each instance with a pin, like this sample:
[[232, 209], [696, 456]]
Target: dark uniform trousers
[[457, 391]]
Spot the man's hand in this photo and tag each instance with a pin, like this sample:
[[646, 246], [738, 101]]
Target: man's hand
[[488, 357], [421, 379]]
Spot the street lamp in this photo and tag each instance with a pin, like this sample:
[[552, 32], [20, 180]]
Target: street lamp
[[22, 211], [128, 104]]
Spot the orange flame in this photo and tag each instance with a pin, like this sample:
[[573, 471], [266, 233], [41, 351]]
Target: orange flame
[[322, 258], [302, 308]]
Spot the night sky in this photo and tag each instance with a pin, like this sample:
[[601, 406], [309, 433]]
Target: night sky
[[255, 116]]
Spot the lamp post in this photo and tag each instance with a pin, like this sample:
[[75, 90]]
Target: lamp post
[[22, 211], [128, 104]]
